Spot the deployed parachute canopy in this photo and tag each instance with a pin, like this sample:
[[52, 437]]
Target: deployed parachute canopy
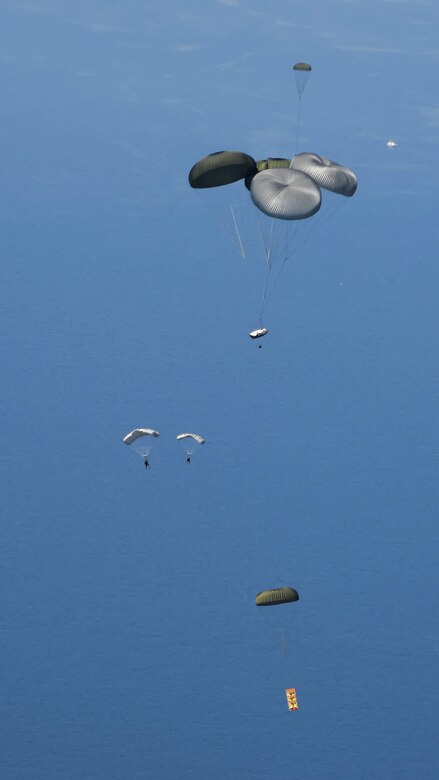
[[269, 598], [221, 168], [193, 436], [141, 440], [190, 442], [391, 143], [301, 74], [326, 173], [284, 193]]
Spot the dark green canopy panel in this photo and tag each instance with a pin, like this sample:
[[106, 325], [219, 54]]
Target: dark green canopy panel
[[221, 168], [269, 598], [302, 66], [264, 165]]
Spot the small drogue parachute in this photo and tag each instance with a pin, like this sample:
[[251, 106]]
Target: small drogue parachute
[[291, 699], [301, 74], [391, 143], [269, 598], [141, 440], [326, 173]]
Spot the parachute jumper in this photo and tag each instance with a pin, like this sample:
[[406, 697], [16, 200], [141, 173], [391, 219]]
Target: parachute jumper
[[191, 441], [141, 441]]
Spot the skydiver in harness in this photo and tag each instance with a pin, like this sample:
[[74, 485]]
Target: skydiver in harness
[[188, 459], [146, 462]]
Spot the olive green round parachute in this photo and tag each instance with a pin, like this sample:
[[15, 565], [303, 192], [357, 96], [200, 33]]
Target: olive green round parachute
[[221, 168], [301, 74], [268, 164], [326, 173], [283, 193], [269, 598], [302, 66]]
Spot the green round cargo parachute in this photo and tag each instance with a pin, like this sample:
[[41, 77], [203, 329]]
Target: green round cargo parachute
[[269, 598], [221, 168]]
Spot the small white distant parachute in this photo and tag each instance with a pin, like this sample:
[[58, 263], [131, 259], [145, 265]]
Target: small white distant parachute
[[191, 441], [391, 143], [141, 440]]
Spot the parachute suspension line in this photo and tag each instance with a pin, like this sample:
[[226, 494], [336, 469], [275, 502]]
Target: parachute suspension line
[[299, 112], [266, 242], [241, 247], [264, 294], [316, 227], [268, 249], [284, 642]]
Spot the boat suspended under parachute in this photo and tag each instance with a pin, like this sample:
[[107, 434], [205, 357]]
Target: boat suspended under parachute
[[258, 333], [291, 699]]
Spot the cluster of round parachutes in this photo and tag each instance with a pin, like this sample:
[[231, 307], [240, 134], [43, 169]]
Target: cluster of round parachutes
[[279, 187]]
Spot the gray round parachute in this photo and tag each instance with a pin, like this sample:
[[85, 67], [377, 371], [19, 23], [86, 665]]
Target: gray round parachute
[[270, 598], [326, 173], [284, 193], [221, 168], [141, 440]]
